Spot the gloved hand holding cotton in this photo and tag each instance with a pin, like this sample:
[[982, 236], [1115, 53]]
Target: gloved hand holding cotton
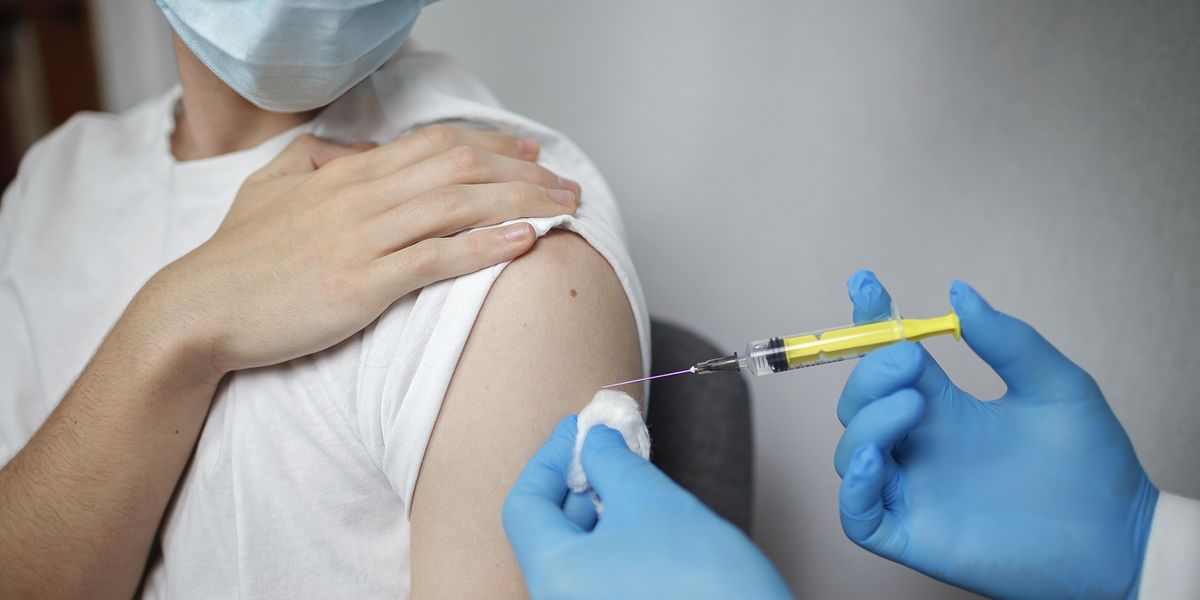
[[656, 540], [619, 411]]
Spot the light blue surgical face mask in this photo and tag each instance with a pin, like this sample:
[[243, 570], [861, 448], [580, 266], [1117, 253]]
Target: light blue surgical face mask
[[292, 55]]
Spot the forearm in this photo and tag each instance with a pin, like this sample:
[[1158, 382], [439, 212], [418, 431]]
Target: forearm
[[81, 503]]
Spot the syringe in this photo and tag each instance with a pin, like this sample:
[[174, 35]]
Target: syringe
[[786, 353]]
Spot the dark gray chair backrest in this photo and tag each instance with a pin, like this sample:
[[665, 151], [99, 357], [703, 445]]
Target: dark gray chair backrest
[[700, 425]]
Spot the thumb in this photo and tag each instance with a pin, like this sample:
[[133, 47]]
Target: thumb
[[306, 154], [865, 520], [1018, 353], [619, 476]]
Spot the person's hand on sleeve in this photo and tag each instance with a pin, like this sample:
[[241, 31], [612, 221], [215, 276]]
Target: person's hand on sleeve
[[323, 238], [654, 539], [1036, 495]]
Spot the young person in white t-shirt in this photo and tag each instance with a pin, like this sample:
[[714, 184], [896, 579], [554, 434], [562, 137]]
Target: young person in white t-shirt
[[268, 378]]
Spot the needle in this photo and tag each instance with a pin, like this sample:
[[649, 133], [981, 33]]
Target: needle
[[612, 385]]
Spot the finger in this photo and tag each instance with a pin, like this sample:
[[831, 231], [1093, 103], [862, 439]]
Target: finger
[[435, 259], [885, 371], [871, 300], [580, 510], [622, 479], [1018, 353], [533, 516], [883, 423], [306, 154], [432, 140], [330, 152], [865, 520], [452, 209], [458, 166]]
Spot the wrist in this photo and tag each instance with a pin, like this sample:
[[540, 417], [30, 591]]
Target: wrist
[[165, 333]]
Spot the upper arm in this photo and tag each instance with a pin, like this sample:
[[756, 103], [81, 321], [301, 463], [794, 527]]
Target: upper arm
[[555, 327]]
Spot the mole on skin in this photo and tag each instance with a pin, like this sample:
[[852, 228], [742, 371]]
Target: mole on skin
[[574, 293]]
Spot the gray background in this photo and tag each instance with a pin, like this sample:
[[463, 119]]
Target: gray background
[[1047, 152]]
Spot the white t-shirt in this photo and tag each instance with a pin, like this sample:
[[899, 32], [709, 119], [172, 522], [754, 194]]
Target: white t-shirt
[[304, 471]]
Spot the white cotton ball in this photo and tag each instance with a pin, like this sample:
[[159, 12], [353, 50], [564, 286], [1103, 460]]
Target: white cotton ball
[[614, 409]]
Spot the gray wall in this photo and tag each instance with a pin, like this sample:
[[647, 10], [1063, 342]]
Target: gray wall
[[1048, 152]]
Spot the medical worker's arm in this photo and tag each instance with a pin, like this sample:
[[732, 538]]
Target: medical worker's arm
[[1036, 495], [316, 245], [555, 327]]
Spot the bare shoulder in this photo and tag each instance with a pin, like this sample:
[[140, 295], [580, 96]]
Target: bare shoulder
[[561, 280], [555, 327]]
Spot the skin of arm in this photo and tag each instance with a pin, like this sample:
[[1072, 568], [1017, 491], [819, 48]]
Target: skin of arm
[[87, 492], [555, 327]]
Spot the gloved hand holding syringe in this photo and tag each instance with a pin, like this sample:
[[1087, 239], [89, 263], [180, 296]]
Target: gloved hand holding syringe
[[785, 353], [1039, 493]]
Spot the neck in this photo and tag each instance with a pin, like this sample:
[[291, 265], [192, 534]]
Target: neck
[[215, 120]]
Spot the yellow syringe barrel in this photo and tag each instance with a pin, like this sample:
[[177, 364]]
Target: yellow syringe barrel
[[821, 347]]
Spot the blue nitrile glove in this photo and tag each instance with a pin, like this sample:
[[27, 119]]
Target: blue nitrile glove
[[654, 540], [1035, 495]]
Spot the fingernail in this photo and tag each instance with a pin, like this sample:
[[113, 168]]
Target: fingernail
[[963, 297], [562, 197], [570, 184], [526, 146], [864, 287], [517, 233], [868, 291], [957, 290], [864, 462]]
